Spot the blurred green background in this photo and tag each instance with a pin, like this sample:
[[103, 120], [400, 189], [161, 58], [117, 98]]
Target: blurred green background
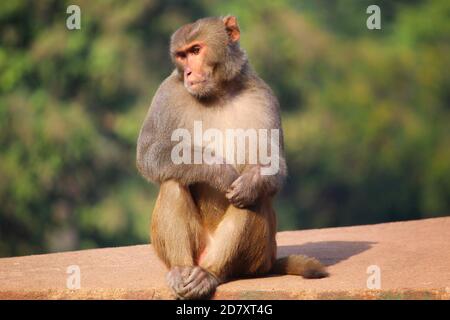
[[365, 113]]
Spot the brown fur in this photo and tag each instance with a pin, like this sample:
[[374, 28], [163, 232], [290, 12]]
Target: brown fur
[[215, 222]]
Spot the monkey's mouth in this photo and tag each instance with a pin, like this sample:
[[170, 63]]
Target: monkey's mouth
[[193, 84]]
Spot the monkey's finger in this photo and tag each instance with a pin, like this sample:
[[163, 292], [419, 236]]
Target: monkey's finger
[[236, 182], [174, 280], [234, 199], [203, 286], [203, 289], [237, 196], [197, 291], [231, 195], [194, 273], [231, 188], [240, 205], [244, 201], [186, 271], [184, 274], [193, 285], [237, 203]]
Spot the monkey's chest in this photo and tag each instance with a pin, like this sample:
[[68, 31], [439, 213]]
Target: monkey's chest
[[229, 134]]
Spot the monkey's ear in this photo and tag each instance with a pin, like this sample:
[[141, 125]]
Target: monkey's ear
[[232, 28]]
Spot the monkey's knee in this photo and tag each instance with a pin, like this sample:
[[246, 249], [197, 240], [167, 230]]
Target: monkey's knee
[[250, 238], [173, 191]]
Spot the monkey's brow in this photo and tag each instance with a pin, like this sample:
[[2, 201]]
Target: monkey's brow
[[188, 48]]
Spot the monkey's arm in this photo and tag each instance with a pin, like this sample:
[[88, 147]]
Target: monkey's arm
[[154, 149], [155, 164]]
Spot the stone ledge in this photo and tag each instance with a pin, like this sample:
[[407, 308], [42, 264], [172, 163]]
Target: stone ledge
[[413, 257]]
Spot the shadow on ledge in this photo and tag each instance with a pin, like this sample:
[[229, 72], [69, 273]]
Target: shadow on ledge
[[327, 252]]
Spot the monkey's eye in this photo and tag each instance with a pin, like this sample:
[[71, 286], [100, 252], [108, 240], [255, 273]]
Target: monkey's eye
[[195, 50], [181, 55]]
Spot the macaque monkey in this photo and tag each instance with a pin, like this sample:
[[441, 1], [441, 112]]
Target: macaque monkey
[[213, 220]]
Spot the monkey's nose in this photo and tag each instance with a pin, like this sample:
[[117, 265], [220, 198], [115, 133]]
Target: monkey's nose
[[187, 72]]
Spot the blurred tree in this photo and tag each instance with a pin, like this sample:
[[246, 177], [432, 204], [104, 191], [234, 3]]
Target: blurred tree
[[365, 112]]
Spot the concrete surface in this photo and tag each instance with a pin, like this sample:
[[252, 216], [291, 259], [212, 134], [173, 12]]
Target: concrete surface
[[413, 257]]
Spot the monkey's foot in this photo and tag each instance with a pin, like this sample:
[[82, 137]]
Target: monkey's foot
[[175, 278], [192, 282]]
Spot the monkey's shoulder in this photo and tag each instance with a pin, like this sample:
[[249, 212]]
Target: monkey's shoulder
[[258, 99], [261, 93], [171, 93]]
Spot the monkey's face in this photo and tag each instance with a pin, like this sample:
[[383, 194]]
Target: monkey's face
[[192, 61], [202, 54]]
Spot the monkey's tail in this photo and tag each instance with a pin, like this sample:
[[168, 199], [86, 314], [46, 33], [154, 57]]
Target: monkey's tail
[[300, 265]]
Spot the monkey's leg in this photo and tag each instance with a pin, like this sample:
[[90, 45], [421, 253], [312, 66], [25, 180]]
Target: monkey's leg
[[176, 231], [242, 244]]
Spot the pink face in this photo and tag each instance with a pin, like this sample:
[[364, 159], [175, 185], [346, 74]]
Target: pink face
[[197, 74]]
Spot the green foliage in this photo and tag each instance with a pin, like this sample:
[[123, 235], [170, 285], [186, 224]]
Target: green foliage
[[365, 113]]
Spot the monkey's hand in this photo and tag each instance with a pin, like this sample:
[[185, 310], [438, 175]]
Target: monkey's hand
[[226, 175], [244, 191]]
